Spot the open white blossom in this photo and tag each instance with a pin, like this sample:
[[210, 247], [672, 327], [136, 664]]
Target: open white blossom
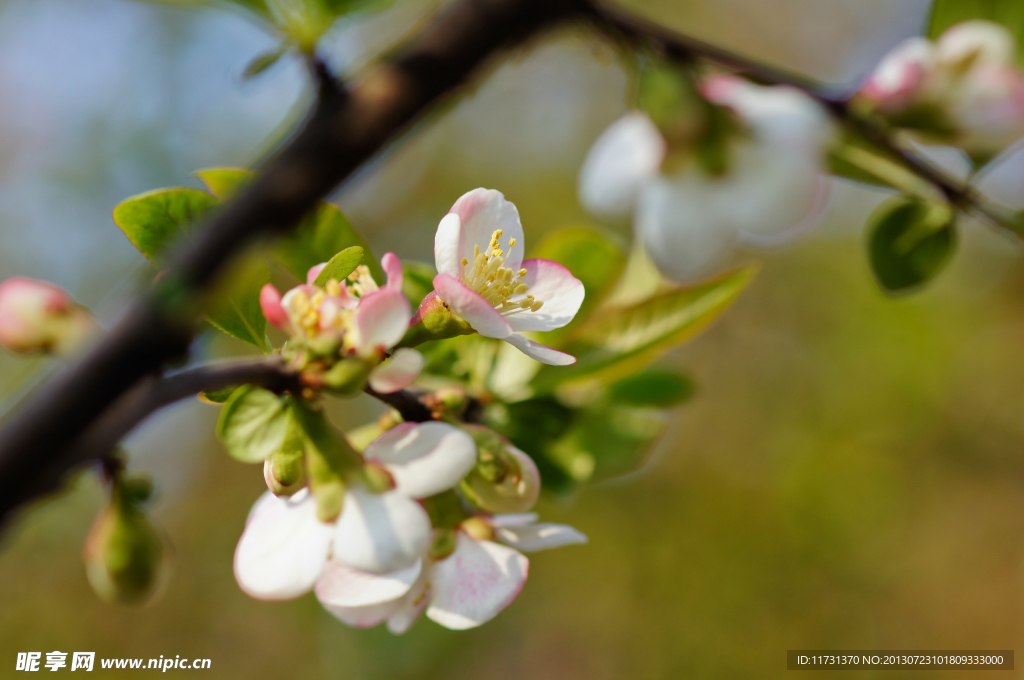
[[689, 220]]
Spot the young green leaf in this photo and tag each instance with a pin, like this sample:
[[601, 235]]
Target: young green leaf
[[652, 389], [909, 241], [318, 238], [340, 266], [234, 305], [254, 423], [154, 220], [224, 182], [216, 397], [619, 341], [262, 62]]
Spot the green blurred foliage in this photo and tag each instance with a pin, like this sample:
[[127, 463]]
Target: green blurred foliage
[[910, 241]]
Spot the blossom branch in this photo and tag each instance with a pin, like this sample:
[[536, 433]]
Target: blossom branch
[[406, 403], [347, 127], [622, 24]]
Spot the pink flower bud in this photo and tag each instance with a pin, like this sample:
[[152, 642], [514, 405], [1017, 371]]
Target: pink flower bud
[[899, 79], [270, 303], [37, 316], [988, 108]]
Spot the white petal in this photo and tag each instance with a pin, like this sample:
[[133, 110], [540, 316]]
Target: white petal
[[475, 582], [539, 352], [342, 586], [467, 303], [398, 372], [561, 292], [539, 536], [682, 228], [626, 155], [976, 42], [482, 212], [424, 459], [283, 548], [381, 320], [412, 604], [515, 519], [364, 617], [380, 533], [446, 245]]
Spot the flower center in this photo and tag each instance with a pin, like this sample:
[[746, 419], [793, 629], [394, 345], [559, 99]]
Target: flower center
[[496, 283], [362, 282], [310, 313]]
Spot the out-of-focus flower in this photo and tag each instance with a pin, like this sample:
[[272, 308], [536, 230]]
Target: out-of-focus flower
[[964, 89], [462, 590], [483, 279], [37, 316], [360, 321], [284, 546], [689, 217]]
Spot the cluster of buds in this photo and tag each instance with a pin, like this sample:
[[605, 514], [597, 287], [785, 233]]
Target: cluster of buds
[[340, 333], [416, 532], [758, 179], [964, 89], [39, 317]]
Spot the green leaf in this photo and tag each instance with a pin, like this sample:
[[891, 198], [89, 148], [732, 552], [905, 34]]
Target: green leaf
[[254, 424], [340, 266], [910, 241], [318, 238], [594, 258], [224, 182], [417, 281], [1009, 13], [234, 305], [619, 341], [262, 62], [652, 388], [155, 220], [217, 397]]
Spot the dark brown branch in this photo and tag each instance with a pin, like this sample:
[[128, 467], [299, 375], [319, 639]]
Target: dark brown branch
[[345, 130], [406, 403]]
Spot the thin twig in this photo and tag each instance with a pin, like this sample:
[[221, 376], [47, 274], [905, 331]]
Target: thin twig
[[406, 403]]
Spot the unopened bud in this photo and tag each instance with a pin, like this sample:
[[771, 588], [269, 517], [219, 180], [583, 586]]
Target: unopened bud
[[443, 544], [505, 479], [376, 478], [37, 316], [284, 473], [348, 376], [434, 320], [478, 529], [126, 558]]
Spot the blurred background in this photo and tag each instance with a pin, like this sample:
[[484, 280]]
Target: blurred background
[[849, 475]]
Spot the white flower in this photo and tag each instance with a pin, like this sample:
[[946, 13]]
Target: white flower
[[463, 590], [284, 546], [689, 220], [482, 277], [360, 320], [964, 89]]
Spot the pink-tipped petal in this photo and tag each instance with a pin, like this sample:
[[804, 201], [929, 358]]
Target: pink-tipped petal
[[283, 548], [626, 155], [314, 272], [380, 533], [473, 584], [393, 268], [481, 213], [270, 303], [425, 459], [539, 352], [342, 586], [398, 372], [446, 245], [480, 313], [382, 319], [539, 536], [561, 292]]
